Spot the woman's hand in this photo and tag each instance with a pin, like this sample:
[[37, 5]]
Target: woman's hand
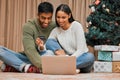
[[40, 43], [60, 52]]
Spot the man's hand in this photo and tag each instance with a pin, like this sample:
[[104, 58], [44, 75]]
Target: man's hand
[[40, 43], [60, 52]]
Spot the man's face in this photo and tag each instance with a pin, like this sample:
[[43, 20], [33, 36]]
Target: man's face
[[45, 19]]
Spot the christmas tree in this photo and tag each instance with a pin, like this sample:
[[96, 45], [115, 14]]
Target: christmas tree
[[104, 23]]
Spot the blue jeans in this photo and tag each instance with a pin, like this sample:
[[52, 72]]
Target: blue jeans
[[83, 62], [15, 59]]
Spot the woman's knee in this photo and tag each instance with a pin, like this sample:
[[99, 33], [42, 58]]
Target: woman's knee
[[52, 44], [90, 57]]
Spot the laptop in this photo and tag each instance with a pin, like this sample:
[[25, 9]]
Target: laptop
[[59, 65]]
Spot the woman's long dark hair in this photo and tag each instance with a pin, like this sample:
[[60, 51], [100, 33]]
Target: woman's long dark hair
[[65, 8]]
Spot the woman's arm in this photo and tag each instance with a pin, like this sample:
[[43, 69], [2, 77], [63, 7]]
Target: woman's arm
[[53, 44], [80, 40]]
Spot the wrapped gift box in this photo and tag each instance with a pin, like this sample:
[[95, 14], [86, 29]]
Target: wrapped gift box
[[107, 47], [116, 56], [105, 55], [102, 66], [116, 67]]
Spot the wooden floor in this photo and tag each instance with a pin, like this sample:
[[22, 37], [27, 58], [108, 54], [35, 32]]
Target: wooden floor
[[33, 76]]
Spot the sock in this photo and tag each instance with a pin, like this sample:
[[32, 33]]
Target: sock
[[26, 67]]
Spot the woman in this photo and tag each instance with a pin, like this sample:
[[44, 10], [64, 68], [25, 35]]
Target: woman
[[69, 39]]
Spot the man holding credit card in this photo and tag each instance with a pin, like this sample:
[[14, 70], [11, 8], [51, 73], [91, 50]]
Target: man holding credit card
[[29, 60]]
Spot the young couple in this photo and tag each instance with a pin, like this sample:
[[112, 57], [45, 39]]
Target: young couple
[[66, 38]]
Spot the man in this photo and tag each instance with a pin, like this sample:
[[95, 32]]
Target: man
[[29, 60]]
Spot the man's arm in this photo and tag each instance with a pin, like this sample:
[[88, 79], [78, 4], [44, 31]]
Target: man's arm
[[30, 46]]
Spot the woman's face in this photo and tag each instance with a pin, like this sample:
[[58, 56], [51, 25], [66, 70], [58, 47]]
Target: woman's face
[[62, 19]]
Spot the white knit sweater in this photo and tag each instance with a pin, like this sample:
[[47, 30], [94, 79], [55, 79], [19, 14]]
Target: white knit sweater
[[72, 40]]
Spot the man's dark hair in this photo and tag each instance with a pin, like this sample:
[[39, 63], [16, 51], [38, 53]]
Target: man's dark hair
[[45, 7]]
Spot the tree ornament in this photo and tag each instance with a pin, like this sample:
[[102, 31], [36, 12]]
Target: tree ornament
[[93, 8], [108, 41], [116, 24], [97, 2], [107, 10], [90, 22], [103, 5]]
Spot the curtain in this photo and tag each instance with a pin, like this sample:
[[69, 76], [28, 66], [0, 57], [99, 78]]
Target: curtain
[[80, 10], [14, 13]]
